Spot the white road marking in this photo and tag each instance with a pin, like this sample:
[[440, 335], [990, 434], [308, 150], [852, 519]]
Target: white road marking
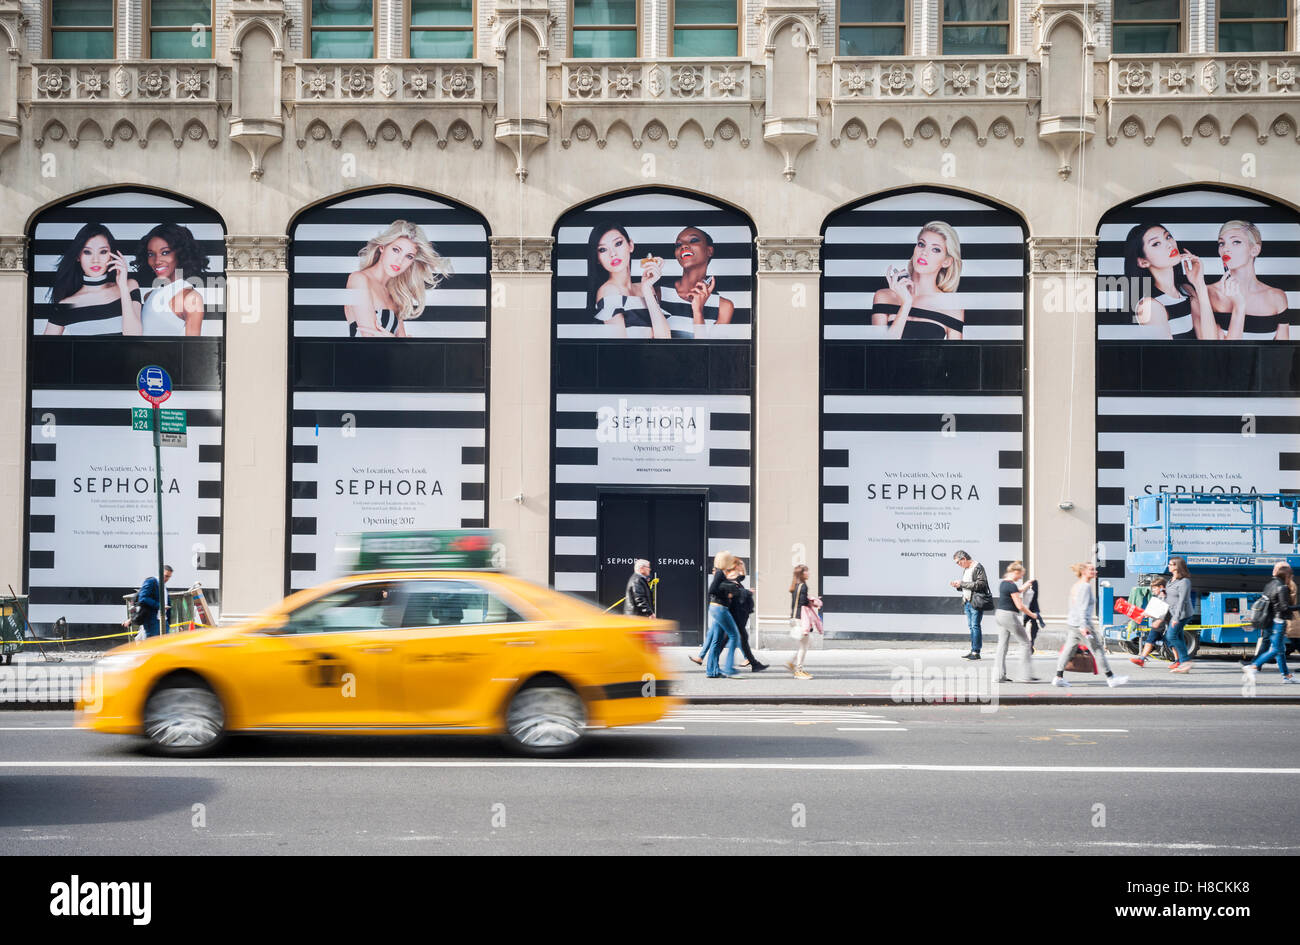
[[646, 765], [38, 728], [871, 729], [661, 728], [1123, 730]]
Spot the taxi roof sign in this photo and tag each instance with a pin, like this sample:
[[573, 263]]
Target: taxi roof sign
[[463, 549]]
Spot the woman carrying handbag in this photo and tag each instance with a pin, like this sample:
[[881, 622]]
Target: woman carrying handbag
[[804, 619]]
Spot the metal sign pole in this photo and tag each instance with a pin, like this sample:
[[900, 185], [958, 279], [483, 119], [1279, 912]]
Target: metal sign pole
[[158, 487]]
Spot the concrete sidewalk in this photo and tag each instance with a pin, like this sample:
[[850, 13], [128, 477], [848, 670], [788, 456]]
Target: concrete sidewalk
[[876, 676]]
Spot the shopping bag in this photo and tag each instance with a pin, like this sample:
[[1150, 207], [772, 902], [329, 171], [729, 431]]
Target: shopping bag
[[1082, 661]]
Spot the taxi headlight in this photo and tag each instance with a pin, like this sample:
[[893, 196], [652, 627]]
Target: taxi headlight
[[120, 662]]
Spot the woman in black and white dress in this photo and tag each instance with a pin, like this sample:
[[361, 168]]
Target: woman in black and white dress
[[919, 304], [1245, 308], [1181, 312], [628, 309], [93, 292], [397, 268], [691, 302]]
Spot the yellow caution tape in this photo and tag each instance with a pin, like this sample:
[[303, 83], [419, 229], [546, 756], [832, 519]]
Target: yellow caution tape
[[653, 582], [108, 636]]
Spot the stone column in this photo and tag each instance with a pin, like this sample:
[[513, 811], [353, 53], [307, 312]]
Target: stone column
[[256, 424], [519, 402], [1061, 413], [14, 329], [787, 344]]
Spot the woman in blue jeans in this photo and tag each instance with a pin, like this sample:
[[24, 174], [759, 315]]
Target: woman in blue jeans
[[1281, 593], [1179, 599], [722, 628]]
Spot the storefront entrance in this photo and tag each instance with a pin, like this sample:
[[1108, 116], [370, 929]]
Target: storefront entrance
[[668, 530]]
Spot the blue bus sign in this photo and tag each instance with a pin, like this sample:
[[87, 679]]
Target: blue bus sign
[[154, 384]]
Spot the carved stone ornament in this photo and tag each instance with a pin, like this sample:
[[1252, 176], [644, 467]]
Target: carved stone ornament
[[1057, 254], [789, 253], [521, 253], [13, 253], [256, 253]]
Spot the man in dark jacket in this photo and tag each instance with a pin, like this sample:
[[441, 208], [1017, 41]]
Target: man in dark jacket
[[636, 599], [973, 582], [150, 599]]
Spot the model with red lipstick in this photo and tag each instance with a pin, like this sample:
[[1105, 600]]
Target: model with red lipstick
[[628, 309], [694, 295], [397, 267], [918, 304], [1182, 310], [93, 292], [1244, 307], [168, 256]]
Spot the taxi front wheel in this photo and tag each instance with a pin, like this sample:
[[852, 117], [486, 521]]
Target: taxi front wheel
[[546, 717], [183, 716]]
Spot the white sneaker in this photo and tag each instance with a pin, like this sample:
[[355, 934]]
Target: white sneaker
[[1290, 679], [1250, 669], [1060, 681], [1114, 681]]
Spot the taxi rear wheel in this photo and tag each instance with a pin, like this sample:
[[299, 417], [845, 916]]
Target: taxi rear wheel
[[183, 716], [546, 717]]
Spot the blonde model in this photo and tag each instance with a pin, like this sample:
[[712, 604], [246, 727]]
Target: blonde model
[[919, 304], [397, 267], [1244, 307]]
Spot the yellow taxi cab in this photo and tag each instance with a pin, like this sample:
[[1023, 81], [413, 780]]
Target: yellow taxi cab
[[415, 650]]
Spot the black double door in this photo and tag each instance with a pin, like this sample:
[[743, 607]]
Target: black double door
[[668, 530]]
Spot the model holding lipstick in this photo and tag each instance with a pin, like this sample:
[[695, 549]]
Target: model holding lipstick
[[169, 254], [397, 267], [628, 309], [1182, 310], [692, 301], [93, 292], [918, 304], [1244, 307]]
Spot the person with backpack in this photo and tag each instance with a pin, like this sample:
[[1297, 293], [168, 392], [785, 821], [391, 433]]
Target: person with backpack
[[1276, 607], [1083, 605]]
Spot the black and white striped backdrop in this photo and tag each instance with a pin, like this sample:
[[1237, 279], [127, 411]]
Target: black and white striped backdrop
[[1193, 218], [1176, 444], [718, 459], [653, 220], [864, 240], [327, 239], [92, 532], [381, 461], [129, 215], [906, 482]]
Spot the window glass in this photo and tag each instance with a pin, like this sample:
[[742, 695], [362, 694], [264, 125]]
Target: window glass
[[710, 43], [872, 11], [976, 11], [1252, 9], [442, 44], [181, 44], [1148, 38], [1148, 9], [74, 45], [82, 13], [604, 12], [368, 607], [342, 13], [442, 13], [975, 40], [342, 44], [704, 11], [604, 44], [455, 604], [187, 13], [871, 41], [1252, 37]]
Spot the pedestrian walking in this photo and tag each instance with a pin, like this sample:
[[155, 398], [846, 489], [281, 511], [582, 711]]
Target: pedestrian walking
[[1281, 594], [804, 619], [1159, 624], [1010, 607], [1179, 599], [150, 599], [974, 587], [636, 598], [1083, 605], [722, 628], [742, 607]]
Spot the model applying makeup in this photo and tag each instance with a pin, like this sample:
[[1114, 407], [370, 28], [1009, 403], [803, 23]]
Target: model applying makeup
[[918, 304], [167, 255], [397, 267], [93, 292], [1244, 307], [625, 307], [1182, 309]]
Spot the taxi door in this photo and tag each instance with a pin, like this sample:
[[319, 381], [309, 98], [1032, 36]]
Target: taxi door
[[463, 643], [333, 667]]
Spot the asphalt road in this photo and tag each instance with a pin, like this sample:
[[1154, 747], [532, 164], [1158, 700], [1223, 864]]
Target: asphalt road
[[893, 780]]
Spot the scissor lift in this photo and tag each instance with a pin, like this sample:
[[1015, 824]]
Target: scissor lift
[[1231, 580]]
